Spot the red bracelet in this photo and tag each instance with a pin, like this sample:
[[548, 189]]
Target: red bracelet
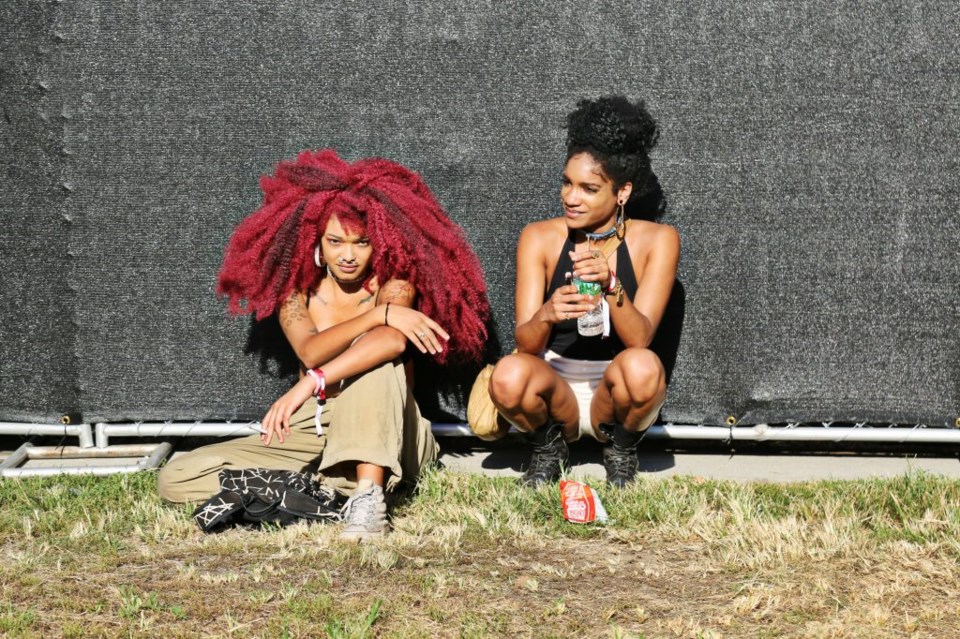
[[612, 287], [321, 381]]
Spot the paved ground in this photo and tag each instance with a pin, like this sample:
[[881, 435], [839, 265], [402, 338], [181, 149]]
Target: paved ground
[[713, 462]]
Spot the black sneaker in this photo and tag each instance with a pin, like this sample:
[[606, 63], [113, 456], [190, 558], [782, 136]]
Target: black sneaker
[[550, 455], [620, 455]]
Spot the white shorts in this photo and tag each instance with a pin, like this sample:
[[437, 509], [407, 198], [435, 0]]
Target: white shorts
[[583, 376]]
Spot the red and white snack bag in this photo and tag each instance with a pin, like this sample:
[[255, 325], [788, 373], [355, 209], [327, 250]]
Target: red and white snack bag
[[580, 504]]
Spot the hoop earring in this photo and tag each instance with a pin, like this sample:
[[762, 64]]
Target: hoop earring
[[621, 221], [316, 257]]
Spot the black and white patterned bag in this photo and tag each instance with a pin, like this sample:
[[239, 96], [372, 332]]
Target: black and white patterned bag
[[258, 495]]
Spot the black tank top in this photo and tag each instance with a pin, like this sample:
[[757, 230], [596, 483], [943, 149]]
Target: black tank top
[[564, 338]]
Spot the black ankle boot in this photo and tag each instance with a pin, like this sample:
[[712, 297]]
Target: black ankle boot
[[620, 455], [550, 454]]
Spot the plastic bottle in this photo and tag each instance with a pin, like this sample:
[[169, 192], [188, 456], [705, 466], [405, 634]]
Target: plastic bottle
[[591, 323]]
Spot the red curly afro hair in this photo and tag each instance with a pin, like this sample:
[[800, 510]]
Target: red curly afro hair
[[271, 252]]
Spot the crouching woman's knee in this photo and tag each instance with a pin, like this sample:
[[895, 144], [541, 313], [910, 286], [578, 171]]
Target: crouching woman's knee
[[509, 381], [642, 373]]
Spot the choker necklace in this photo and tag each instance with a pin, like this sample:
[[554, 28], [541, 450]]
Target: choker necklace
[[602, 236]]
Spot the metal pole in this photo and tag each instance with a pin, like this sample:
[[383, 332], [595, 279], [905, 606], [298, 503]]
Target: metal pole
[[759, 432], [81, 431], [764, 432], [104, 431], [151, 455]]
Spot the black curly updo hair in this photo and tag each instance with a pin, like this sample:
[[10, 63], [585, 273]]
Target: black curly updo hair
[[619, 134]]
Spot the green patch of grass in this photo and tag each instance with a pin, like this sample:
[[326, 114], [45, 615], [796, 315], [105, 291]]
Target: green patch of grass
[[133, 603], [311, 607], [16, 622], [72, 510], [355, 628]]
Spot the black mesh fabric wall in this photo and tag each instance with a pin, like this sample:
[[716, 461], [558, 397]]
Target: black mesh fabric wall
[[808, 156], [38, 369]]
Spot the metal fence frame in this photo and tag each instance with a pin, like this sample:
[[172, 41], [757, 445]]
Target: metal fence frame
[[94, 441]]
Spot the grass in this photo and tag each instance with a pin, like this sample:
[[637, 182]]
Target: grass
[[481, 557]]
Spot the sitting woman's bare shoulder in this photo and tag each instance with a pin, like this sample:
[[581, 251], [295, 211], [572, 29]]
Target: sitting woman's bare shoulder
[[647, 236], [544, 231]]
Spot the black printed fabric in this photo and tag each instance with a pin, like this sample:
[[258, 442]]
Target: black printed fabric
[[260, 495]]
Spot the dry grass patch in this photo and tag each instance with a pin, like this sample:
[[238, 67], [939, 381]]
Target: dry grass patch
[[480, 557]]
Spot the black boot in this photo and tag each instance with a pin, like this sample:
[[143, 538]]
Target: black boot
[[550, 454], [620, 455]]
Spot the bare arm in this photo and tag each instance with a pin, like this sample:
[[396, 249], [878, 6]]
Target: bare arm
[[313, 347], [535, 317], [637, 323], [383, 342], [387, 342]]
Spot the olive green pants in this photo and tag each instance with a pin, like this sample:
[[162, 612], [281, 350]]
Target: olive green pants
[[374, 420]]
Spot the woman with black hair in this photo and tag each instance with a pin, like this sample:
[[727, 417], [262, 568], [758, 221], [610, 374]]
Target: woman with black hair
[[591, 288]]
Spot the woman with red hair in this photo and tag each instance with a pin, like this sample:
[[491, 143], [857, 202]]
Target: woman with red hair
[[359, 260]]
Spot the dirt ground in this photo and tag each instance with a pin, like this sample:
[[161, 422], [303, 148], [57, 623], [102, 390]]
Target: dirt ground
[[557, 588]]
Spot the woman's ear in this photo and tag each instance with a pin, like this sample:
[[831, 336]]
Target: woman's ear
[[624, 193]]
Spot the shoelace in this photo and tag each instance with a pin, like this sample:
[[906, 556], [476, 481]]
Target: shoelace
[[622, 458], [363, 504], [545, 456]]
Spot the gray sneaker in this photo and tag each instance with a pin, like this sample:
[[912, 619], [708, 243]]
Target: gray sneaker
[[365, 515]]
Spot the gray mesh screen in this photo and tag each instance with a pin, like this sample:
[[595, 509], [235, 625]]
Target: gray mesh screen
[[808, 157], [38, 368]]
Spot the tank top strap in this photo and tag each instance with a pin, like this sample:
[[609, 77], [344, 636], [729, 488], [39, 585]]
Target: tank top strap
[[564, 266]]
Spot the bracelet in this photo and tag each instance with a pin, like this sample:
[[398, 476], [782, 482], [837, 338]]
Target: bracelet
[[613, 282], [321, 381], [386, 312], [617, 291]]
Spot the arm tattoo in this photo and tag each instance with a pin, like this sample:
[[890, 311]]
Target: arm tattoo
[[292, 310], [399, 292]]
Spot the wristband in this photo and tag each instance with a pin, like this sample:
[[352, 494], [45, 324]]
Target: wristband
[[321, 389], [321, 394], [386, 312]]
